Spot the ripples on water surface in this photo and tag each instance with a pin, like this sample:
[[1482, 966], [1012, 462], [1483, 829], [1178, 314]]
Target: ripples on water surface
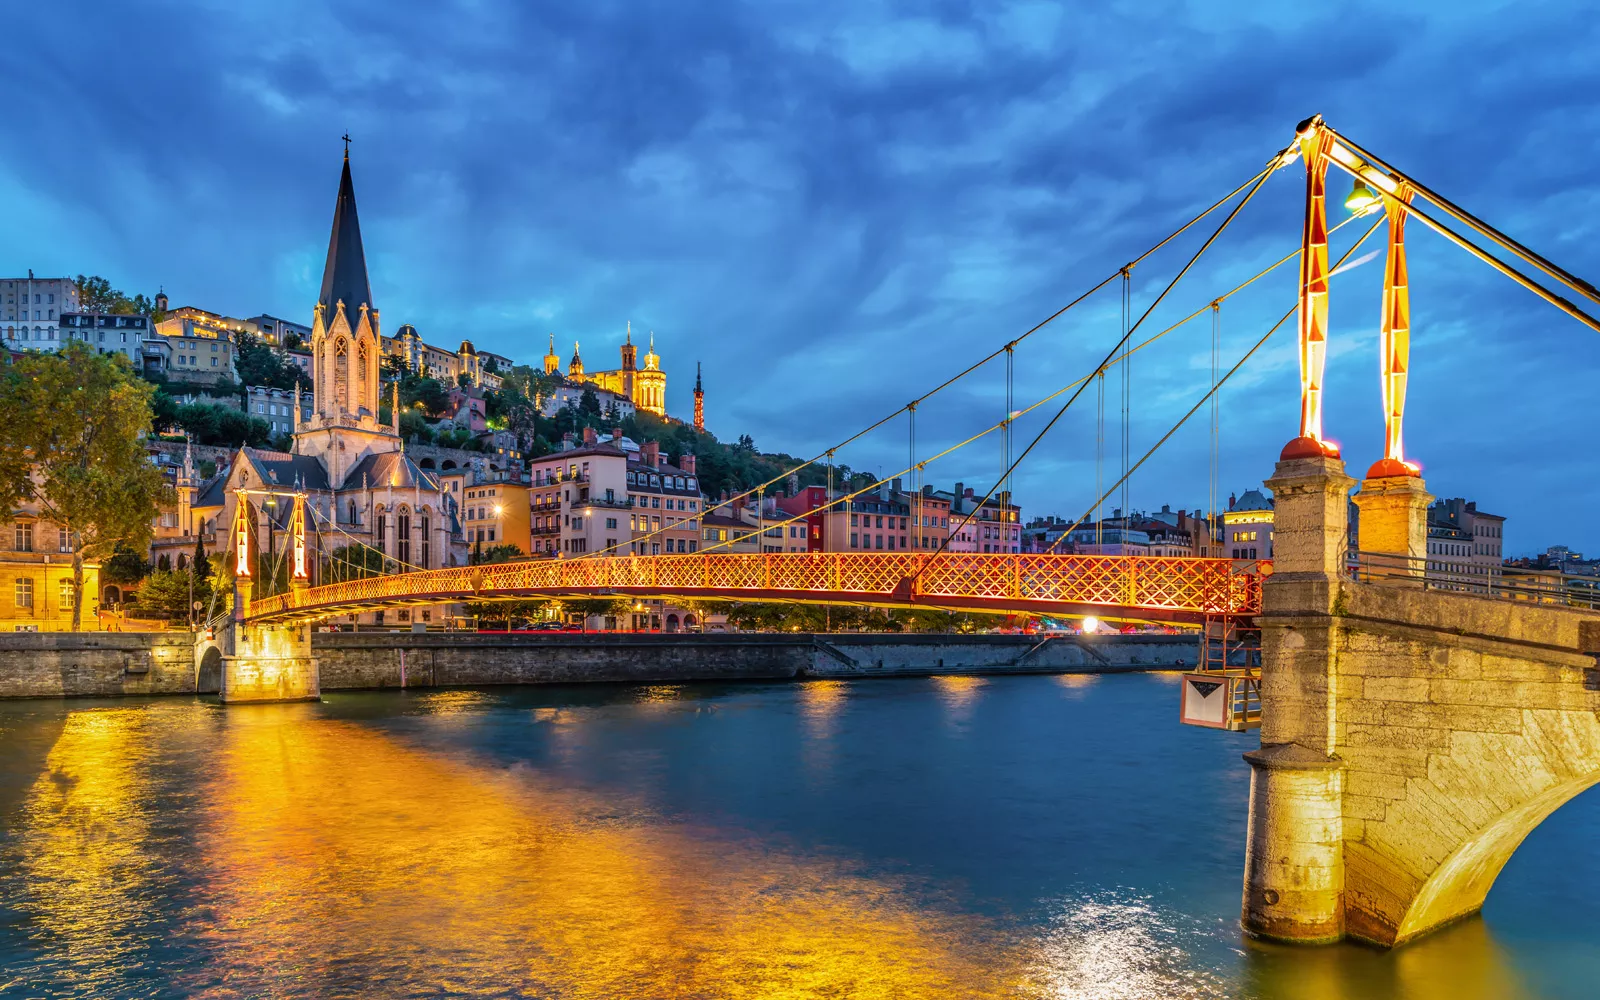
[[956, 837]]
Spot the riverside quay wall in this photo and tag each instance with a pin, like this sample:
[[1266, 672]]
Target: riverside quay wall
[[100, 664]]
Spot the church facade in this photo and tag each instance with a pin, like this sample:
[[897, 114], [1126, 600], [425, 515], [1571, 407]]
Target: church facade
[[361, 488], [646, 387]]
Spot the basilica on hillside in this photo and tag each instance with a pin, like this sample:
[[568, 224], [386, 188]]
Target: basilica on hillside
[[645, 387], [360, 486]]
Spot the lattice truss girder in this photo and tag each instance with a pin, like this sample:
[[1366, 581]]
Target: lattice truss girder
[[1186, 585]]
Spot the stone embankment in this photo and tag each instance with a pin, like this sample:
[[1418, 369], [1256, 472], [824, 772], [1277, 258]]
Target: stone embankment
[[56, 664]]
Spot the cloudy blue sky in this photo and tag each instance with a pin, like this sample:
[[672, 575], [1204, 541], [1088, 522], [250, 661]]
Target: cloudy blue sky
[[835, 205]]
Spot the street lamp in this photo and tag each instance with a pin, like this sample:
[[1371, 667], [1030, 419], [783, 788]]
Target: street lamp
[[1362, 199]]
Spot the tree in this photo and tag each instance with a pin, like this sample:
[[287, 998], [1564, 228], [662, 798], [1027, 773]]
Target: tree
[[166, 594], [80, 418], [125, 566], [589, 404], [497, 553], [258, 364], [200, 561], [352, 562]]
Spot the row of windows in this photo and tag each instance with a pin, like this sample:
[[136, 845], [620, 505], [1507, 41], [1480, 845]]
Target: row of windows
[[866, 541], [866, 521], [640, 500], [22, 593], [22, 538]]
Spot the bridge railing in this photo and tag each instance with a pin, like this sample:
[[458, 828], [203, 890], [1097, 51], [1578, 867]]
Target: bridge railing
[[1493, 580], [1018, 581]]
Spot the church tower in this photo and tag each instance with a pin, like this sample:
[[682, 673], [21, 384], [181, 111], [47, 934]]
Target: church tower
[[552, 361], [345, 351], [629, 352], [699, 401], [575, 369]]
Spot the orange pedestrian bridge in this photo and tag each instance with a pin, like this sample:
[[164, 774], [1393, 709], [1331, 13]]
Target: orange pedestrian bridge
[[1131, 588]]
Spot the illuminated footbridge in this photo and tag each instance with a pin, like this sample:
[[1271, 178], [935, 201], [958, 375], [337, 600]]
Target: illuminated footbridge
[[1184, 590]]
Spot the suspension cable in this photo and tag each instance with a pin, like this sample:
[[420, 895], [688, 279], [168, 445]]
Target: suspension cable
[[1212, 392], [1255, 180], [1123, 341]]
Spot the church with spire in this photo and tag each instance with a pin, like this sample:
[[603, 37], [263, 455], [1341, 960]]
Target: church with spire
[[645, 387], [361, 487]]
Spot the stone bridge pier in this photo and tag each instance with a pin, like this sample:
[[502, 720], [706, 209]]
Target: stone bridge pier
[[259, 663], [1410, 738]]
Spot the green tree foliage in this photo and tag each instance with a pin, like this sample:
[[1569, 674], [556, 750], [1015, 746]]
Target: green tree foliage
[[211, 423], [199, 560], [95, 294], [258, 364], [352, 562], [497, 553], [416, 388], [79, 418], [415, 427], [589, 404], [125, 566], [165, 594]]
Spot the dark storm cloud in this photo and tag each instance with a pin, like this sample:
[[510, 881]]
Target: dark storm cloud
[[836, 205]]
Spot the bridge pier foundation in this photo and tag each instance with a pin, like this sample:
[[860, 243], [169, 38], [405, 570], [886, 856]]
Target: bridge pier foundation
[[1410, 736], [267, 663]]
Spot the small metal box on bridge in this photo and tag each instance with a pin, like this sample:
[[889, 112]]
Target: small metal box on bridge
[[1222, 699]]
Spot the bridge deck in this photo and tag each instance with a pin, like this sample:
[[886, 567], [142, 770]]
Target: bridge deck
[[1134, 587]]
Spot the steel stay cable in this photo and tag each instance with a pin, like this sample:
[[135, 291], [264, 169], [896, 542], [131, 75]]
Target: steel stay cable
[[1257, 179], [1209, 394], [1111, 363], [1472, 221], [1262, 177]]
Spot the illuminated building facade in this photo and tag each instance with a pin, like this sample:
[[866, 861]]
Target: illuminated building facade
[[361, 488], [646, 386]]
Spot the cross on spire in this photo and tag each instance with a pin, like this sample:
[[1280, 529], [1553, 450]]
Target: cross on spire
[[346, 138]]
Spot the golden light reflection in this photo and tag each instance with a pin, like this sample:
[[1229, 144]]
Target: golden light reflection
[[820, 704], [959, 694], [453, 702], [330, 847], [86, 871], [1076, 682]]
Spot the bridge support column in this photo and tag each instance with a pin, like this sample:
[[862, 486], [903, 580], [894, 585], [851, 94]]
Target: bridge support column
[[270, 663], [1294, 855], [264, 663], [1394, 522]]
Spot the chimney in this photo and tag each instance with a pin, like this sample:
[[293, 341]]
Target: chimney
[[566, 441], [589, 438], [959, 493], [616, 434], [686, 463], [1166, 508], [1232, 500], [894, 485], [968, 494], [650, 453]]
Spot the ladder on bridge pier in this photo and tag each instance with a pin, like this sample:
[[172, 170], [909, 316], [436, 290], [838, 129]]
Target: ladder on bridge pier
[[1224, 692]]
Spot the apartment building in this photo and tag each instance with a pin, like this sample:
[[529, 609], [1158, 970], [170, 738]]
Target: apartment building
[[108, 333], [31, 308]]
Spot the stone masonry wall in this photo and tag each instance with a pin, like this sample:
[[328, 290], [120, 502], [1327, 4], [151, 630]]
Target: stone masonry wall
[[55, 665]]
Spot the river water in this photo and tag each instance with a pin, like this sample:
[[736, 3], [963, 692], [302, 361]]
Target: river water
[[949, 837]]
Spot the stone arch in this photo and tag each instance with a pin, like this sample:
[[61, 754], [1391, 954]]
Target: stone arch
[[208, 672], [112, 595], [448, 464], [672, 622], [426, 463]]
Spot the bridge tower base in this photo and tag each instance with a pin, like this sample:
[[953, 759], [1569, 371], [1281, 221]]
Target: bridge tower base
[[267, 663], [1411, 736]]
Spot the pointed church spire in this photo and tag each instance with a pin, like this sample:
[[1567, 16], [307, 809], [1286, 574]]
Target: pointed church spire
[[344, 277], [630, 332]]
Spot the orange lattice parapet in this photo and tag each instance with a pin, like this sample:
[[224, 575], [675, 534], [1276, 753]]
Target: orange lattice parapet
[[1132, 587]]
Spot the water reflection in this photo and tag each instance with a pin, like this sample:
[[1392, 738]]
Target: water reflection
[[1458, 963], [171, 849], [87, 871], [1115, 946], [959, 694], [334, 852]]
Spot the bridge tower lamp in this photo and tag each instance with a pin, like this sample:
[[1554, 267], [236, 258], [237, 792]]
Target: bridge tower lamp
[[239, 544], [299, 573]]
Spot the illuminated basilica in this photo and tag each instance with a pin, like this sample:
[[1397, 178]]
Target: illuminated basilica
[[646, 387]]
